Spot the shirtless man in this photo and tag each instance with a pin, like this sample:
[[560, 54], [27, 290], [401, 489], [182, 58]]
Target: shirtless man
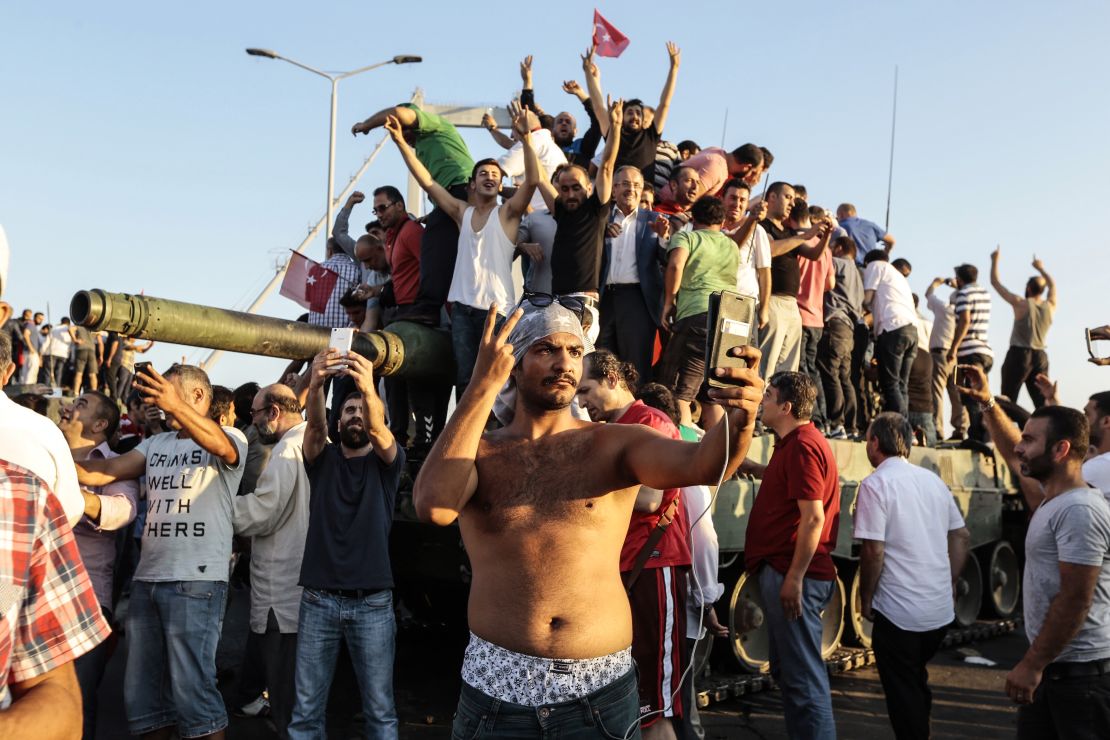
[[543, 505]]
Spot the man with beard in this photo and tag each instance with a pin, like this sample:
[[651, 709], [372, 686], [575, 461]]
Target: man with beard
[[1062, 682], [275, 517], [345, 572], [180, 587], [87, 424], [487, 235], [1096, 470], [581, 210], [543, 505], [638, 139]]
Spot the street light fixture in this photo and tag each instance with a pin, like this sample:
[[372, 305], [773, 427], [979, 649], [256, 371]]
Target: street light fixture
[[334, 78]]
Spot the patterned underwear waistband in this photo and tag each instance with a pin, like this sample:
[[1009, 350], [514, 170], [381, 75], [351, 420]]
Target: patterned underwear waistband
[[532, 681]]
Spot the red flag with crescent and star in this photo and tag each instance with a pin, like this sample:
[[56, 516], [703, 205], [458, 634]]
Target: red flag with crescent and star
[[608, 41], [308, 283]]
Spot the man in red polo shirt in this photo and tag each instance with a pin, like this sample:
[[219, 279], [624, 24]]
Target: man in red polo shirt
[[654, 569], [791, 535], [402, 244]]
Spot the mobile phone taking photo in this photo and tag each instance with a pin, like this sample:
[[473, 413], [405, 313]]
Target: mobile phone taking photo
[[730, 322], [341, 341]]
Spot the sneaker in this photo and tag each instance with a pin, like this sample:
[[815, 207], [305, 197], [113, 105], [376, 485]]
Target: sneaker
[[260, 707], [838, 433]]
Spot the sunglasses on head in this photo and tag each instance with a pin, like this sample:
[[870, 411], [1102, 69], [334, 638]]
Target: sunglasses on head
[[541, 300]]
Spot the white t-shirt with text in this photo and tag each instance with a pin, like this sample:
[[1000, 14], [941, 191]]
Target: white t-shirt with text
[[190, 494]]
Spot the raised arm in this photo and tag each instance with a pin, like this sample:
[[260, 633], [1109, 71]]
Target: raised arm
[[340, 230], [449, 476], [382, 441], [504, 141], [972, 382], [439, 195], [158, 391], [649, 458], [813, 252], [316, 431], [1007, 296], [1049, 282], [603, 183], [664, 107], [405, 116], [809, 239], [517, 205], [593, 86]]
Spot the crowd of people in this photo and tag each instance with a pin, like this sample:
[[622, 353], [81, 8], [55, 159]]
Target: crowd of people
[[591, 545]]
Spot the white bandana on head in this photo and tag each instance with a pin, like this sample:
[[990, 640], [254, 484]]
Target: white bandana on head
[[536, 323]]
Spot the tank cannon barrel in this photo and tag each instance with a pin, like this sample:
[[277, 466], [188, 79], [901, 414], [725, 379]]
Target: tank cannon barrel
[[406, 350]]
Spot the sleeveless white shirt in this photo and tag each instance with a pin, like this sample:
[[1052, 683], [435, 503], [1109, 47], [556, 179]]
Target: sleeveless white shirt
[[484, 265]]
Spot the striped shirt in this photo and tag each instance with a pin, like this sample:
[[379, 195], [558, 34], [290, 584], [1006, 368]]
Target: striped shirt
[[976, 301]]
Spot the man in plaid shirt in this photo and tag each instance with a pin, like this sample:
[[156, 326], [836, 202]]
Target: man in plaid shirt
[[349, 274]]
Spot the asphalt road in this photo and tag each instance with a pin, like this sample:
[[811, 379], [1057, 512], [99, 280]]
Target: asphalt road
[[968, 701]]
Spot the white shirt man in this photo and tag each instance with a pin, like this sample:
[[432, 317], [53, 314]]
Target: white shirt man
[[913, 541], [892, 305]]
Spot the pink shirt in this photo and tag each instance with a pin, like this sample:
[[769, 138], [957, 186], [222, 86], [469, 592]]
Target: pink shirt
[[712, 170], [811, 288]]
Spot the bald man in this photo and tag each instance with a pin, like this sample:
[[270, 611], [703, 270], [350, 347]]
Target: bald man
[[275, 517]]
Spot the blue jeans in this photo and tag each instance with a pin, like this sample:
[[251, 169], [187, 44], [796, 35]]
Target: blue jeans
[[367, 626], [467, 324], [796, 662], [173, 628], [608, 712], [928, 425]]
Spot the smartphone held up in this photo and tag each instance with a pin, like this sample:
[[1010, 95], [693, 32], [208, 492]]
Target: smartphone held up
[[731, 321], [341, 341]]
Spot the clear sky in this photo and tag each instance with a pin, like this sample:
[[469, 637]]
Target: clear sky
[[141, 149]]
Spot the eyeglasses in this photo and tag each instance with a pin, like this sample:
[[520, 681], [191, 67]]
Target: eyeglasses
[[255, 412], [573, 304], [383, 208]]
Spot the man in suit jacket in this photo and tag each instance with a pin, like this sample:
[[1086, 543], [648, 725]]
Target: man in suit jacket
[[631, 276]]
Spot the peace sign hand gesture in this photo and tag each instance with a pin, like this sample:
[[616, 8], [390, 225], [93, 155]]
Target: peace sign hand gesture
[[495, 355]]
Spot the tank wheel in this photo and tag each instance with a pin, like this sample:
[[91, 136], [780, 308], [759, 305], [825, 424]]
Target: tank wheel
[[860, 627], [1003, 580], [750, 640], [969, 592], [832, 621], [751, 644]]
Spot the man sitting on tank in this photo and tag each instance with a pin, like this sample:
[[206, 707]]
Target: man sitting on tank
[[543, 505]]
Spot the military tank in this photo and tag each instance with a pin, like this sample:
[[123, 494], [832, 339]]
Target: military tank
[[431, 568]]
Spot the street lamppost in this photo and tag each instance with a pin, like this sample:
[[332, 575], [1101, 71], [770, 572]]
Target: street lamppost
[[334, 78]]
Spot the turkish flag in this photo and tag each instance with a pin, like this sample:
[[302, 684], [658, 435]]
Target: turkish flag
[[308, 283], [607, 39]]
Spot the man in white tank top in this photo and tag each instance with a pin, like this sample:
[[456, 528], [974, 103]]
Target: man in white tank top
[[487, 239]]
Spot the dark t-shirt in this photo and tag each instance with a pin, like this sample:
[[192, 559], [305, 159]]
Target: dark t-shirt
[[801, 467], [786, 275], [109, 342], [350, 515], [576, 253], [14, 328], [87, 343], [638, 150]]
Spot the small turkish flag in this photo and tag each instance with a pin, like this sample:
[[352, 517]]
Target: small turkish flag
[[607, 39], [308, 283]]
